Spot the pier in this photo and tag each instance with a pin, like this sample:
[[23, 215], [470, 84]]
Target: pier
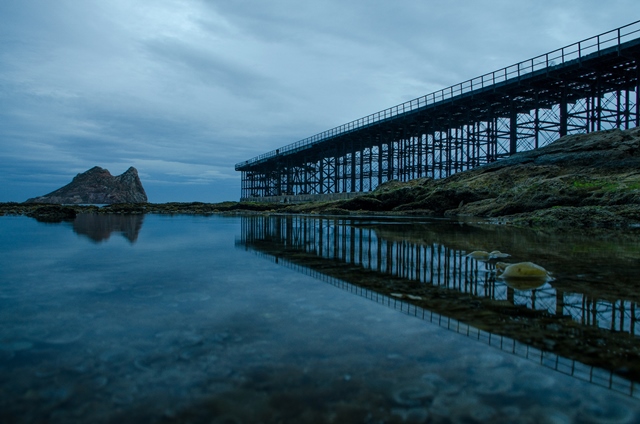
[[591, 85]]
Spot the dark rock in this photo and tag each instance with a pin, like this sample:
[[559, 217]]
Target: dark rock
[[98, 186], [53, 213], [395, 198], [366, 203], [575, 217], [336, 211], [124, 208], [440, 200], [587, 180]]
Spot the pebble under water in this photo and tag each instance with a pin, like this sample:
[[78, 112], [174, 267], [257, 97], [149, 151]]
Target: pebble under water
[[183, 322]]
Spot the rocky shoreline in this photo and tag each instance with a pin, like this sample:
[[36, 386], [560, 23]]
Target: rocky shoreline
[[580, 181]]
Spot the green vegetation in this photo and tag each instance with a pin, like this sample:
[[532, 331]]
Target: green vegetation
[[592, 185], [605, 185]]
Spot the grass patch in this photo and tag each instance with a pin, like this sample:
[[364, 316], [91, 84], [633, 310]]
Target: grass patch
[[592, 185], [633, 186]]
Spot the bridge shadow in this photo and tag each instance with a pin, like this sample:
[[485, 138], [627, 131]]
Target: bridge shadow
[[582, 323]]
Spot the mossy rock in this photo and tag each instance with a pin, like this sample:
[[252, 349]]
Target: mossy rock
[[53, 213], [335, 211], [366, 203], [573, 217], [124, 208]]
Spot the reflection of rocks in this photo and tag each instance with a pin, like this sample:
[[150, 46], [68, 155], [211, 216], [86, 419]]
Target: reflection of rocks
[[100, 227]]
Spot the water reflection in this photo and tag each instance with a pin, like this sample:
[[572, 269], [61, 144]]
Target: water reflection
[[100, 227], [589, 312], [179, 328]]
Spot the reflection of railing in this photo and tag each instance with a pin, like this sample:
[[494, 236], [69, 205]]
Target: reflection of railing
[[433, 264], [572, 54], [558, 363]]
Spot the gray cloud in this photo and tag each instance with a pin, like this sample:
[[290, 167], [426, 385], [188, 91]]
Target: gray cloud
[[183, 90], [201, 65]]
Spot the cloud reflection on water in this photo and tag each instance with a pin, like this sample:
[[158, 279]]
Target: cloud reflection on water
[[587, 313], [180, 327]]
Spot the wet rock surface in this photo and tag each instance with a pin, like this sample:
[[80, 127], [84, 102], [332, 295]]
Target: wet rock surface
[[51, 213]]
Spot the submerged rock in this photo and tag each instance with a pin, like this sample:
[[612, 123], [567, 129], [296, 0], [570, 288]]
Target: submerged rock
[[479, 255], [523, 275], [524, 270], [496, 254], [98, 186]]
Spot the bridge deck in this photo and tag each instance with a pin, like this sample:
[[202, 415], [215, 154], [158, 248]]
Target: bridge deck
[[583, 87]]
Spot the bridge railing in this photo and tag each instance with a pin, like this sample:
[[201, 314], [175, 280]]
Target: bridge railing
[[547, 61]]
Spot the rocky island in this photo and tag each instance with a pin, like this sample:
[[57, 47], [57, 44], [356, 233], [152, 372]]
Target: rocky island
[[98, 186]]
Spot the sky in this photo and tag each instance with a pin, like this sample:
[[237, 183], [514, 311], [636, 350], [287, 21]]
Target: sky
[[182, 90]]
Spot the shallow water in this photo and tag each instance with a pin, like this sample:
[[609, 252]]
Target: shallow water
[[162, 319]]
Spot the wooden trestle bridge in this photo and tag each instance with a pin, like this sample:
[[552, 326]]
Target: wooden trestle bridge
[[590, 85]]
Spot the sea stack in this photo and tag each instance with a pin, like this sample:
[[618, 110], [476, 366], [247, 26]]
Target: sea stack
[[98, 186]]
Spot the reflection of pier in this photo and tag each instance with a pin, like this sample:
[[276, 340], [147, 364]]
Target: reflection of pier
[[342, 252], [99, 227], [435, 264]]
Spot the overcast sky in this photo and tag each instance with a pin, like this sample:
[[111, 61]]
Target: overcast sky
[[184, 89]]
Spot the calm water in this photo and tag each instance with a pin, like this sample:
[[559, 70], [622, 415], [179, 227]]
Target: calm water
[[274, 319]]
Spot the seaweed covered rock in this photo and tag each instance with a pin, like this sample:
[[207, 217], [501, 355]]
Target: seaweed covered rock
[[585, 180], [53, 213]]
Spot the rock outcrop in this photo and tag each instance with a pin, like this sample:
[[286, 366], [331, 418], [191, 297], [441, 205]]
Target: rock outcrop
[[50, 213], [98, 186]]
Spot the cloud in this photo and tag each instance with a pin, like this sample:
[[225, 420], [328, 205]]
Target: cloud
[[184, 89]]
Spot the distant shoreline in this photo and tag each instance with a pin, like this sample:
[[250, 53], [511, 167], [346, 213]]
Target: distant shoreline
[[584, 181], [60, 213]]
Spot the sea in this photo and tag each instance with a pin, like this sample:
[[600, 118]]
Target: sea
[[314, 319]]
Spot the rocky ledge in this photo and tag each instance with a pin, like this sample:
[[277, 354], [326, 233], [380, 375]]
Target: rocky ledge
[[586, 180], [98, 186]]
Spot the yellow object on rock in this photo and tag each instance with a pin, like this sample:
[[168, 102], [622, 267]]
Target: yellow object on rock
[[522, 270], [523, 275]]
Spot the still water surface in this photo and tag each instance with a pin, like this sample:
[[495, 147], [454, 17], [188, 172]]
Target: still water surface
[[231, 320]]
